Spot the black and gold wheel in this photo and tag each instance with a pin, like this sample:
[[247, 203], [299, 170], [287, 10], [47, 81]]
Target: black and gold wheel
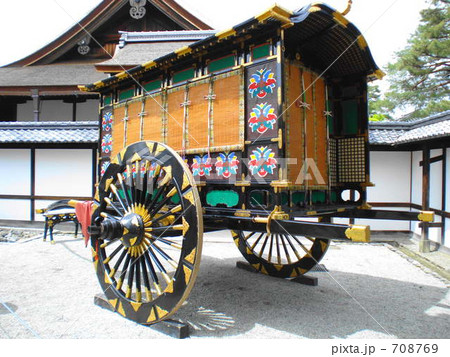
[[149, 229], [280, 255]]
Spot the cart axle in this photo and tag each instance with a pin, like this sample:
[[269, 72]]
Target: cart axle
[[346, 232]]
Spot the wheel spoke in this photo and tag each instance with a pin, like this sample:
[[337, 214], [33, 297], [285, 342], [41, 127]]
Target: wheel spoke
[[263, 246], [148, 292], [138, 280], [154, 200], [172, 262], [278, 249], [107, 215], [168, 242], [159, 265], [116, 193], [132, 185], [113, 254], [124, 190], [116, 266], [302, 245], [288, 257], [249, 236], [130, 280], [144, 184], [163, 229], [137, 191], [270, 249], [104, 245], [257, 240], [161, 204], [151, 267], [293, 247], [123, 272], [113, 205]]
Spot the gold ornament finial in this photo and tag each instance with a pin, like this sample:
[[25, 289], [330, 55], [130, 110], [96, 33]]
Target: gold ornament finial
[[349, 7]]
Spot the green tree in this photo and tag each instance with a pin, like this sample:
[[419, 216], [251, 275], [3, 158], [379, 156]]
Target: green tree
[[419, 79], [380, 108]]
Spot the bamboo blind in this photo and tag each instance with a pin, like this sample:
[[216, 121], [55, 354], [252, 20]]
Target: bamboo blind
[[227, 111], [197, 123], [134, 122], [118, 130], [294, 124], [153, 120], [184, 111], [307, 130], [175, 118]]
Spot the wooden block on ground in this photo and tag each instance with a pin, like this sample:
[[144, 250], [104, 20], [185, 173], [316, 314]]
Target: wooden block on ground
[[172, 328], [306, 280]]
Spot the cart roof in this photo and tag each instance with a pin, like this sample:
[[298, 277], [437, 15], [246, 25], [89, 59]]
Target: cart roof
[[325, 40]]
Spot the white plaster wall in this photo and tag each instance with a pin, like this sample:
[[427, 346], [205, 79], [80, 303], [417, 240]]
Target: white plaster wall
[[436, 181], [390, 172], [15, 172], [416, 175], [55, 110], [15, 209], [447, 199], [88, 111], [64, 172], [25, 111]]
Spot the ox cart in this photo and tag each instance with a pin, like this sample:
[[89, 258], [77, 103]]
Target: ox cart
[[261, 129]]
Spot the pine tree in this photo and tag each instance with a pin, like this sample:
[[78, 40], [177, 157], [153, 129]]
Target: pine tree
[[420, 77]]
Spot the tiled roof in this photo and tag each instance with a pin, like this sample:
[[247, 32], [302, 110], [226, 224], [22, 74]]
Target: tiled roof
[[139, 47], [49, 132], [49, 75], [163, 36], [396, 133], [136, 53]]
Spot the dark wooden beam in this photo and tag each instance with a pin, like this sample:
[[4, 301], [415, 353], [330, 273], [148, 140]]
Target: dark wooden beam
[[433, 160], [444, 191], [36, 110], [74, 111], [32, 183], [424, 244]]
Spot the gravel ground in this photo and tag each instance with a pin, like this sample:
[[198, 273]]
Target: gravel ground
[[369, 291]]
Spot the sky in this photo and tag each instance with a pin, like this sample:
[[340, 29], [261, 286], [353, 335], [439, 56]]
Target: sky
[[386, 24]]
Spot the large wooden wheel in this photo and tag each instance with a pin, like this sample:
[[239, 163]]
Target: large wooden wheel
[[148, 245], [280, 255]]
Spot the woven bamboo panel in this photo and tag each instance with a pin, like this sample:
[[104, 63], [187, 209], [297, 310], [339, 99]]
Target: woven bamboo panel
[[227, 125], [175, 119], [118, 130], [306, 123], [294, 123], [321, 128], [197, 122], [134, 122], [153, 120], [310, 133]]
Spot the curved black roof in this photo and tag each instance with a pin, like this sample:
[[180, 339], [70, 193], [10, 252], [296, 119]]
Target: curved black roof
[[325, 40]]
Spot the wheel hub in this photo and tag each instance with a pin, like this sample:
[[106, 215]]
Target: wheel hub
[[133, 229], [130, 229]]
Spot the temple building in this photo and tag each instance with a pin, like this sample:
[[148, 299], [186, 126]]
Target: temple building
[[48, 127]]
